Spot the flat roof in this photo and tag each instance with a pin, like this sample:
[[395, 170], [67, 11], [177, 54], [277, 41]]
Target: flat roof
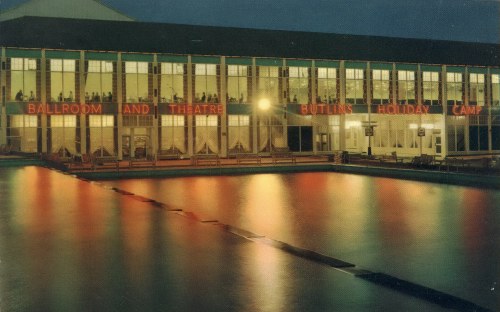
[[123, 36]]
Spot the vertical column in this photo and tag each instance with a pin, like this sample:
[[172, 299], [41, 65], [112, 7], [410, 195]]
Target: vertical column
[[315, 124], [154, 132], [190, 102], [444, 96], [369, 104], [223, 99], [342, 101], [119, 101], [284, 105], [3, 108], [255, 98], [466, 102], [488, 85], [43, 94], [83, 124]]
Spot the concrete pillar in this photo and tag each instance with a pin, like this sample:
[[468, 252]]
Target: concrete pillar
[[488, 86], [223, 101], [282, 110], [315, 124], [368, 82], [3, 108], [255, 98], [342, 101], [82, 117], [467, 118], [190, 102], [119, 102], [444, 116], [43, 94], [154, 131]]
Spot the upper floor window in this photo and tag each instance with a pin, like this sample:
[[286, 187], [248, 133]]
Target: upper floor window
[[381, 86], [476, 89], [62, 80], [173, 120], [268, 82], [172, 82], [327, 86], [298, 84], [406, 87], [495, 89], [206, 84], [237, 84], [454, 88], [99, 81], [23, 85], [354, 86], [430, 83], [136, 82]]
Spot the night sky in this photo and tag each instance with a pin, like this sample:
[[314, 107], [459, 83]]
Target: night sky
[[461, 20]]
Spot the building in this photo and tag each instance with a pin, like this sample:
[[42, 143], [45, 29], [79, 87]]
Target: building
[[131, 89]]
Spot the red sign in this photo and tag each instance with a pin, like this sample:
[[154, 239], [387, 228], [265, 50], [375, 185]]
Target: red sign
[[459, 110], [196, 109], [135, 109], [394, 109], [63, 109], [325, 109]]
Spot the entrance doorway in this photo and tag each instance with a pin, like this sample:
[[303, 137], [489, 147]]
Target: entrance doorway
[[300, 139]]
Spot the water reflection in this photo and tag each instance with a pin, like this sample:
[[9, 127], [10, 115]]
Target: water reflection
[[437, 235], [69, 245]]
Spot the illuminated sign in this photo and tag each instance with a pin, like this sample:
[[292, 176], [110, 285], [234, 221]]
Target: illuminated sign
[[136, 109], [325, 109], [460, 110], [394, 109], [63, 109], [196, 109]]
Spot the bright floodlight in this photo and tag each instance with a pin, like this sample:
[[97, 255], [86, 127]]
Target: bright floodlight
[[264, 104]]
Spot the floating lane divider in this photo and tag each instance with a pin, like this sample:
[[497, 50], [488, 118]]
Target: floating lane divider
[[422, 292]]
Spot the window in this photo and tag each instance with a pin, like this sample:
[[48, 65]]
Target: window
[[238, 120], [101, 121], [354, 86], [268, 83], [327, 86], [495, 90], [61, 121], [62, 80], [23, 79], [173, 138], [172, 83], [206, 83], [381, 86], [298, 84], [207, 121], [454, 88], [237, 84], [476, 89], [136, 78], [22, 133], [406, 87], [430, 82], [172, 120], [99, 82], [102, 134]]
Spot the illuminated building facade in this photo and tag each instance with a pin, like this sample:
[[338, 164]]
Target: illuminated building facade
[[132, 89]]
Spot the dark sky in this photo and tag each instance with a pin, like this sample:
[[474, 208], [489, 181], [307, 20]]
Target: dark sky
[[462, 20]]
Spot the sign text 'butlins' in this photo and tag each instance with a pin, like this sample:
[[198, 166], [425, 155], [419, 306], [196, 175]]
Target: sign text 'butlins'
[[325, 109]]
